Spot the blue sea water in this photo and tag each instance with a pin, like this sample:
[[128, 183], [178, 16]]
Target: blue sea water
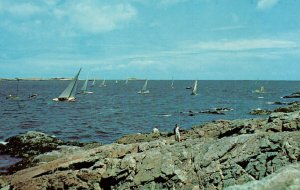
[[117, 109]]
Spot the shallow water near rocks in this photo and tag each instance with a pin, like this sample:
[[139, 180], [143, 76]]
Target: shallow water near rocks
[[6, 161], [117, 109]]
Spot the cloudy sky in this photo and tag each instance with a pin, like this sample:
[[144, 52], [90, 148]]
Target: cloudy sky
[[155, 39]]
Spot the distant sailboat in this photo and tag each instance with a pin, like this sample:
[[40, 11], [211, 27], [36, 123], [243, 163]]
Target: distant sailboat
[[116, 81], [126, 82], [144, 89], [103, 83], [84, 88], [172, 84], [261, 90], [194, 90], [14, 97], [94, 82], [69, 93]]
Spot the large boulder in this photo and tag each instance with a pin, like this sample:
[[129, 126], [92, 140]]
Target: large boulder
[[30, 143], [286, 178]]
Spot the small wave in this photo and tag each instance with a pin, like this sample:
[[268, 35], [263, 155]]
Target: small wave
[[3, 142], [164, 115], [56, 132], [101, 133]]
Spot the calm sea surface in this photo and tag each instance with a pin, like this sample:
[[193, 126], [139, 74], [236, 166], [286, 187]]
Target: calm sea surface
[[115, 110]]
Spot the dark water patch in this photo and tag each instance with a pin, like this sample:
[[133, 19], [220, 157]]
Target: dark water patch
[[6, 161], [74, 137], [56, 132], [85, 136], [26, 126]]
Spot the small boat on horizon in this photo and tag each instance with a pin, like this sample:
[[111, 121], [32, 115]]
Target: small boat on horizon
[[14, 96], [261, 90], [69, 93], [144, 89], [94, 82], [84, 88], [172, 84], [102, 84], [194, 90]]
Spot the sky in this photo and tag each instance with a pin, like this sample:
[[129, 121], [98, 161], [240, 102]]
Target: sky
[[154, 39]]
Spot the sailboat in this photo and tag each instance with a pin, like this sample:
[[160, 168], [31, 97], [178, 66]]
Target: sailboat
[[261, 90], [94, 81], [172, 84], [14, 97], [144, 89], [84, 88], [194, 90], [69, 93], [126, 82], [116, 81], [103, 84]]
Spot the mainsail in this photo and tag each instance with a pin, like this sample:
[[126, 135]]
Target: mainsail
[[144, 89], [70, 91], [93, 84], [145, 86], [84, 87], [194, 90]]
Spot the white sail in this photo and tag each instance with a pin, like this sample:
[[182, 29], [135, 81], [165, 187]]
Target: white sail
[[126, 82], [144, 89], [103, 83], [70, 91], [93, 84], [194, 90], [261, 90], [172, 84], [145, 86], [84, 87]]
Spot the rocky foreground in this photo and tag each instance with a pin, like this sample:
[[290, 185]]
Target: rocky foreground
[[239, 154]]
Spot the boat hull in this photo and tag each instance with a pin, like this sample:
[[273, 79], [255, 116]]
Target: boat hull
[[71, 99], [144, 92]]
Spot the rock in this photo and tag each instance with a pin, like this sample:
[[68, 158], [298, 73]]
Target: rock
[[217, 112], [286, 178], [293, 95], [260, 112], [214, 155], [30, 143]]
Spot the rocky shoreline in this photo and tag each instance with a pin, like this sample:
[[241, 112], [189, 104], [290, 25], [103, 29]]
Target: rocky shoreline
[[223, 154]]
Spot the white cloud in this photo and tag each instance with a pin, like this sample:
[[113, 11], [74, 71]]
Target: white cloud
[[171, 2], [93, 17], [242, 45], [20, 10], [227, 28], [266, 4], [69, 16]]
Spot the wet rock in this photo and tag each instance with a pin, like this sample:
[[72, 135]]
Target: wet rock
[[30, 143], [213, 155], [260, 112], [293, 95]]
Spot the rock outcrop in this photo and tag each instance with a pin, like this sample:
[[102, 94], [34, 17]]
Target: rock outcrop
[[214, 155], [31, 144], [293, 106], [286, 178], [293, 95]]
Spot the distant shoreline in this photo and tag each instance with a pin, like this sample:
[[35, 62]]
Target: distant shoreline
[[129, 79]]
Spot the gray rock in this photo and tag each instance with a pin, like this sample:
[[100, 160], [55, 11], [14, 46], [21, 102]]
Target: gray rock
[[286, 178]]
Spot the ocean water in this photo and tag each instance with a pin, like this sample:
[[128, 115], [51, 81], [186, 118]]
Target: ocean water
[[117, 109]]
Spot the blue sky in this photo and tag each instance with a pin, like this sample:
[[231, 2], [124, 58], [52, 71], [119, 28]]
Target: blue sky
[[155, 39]]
